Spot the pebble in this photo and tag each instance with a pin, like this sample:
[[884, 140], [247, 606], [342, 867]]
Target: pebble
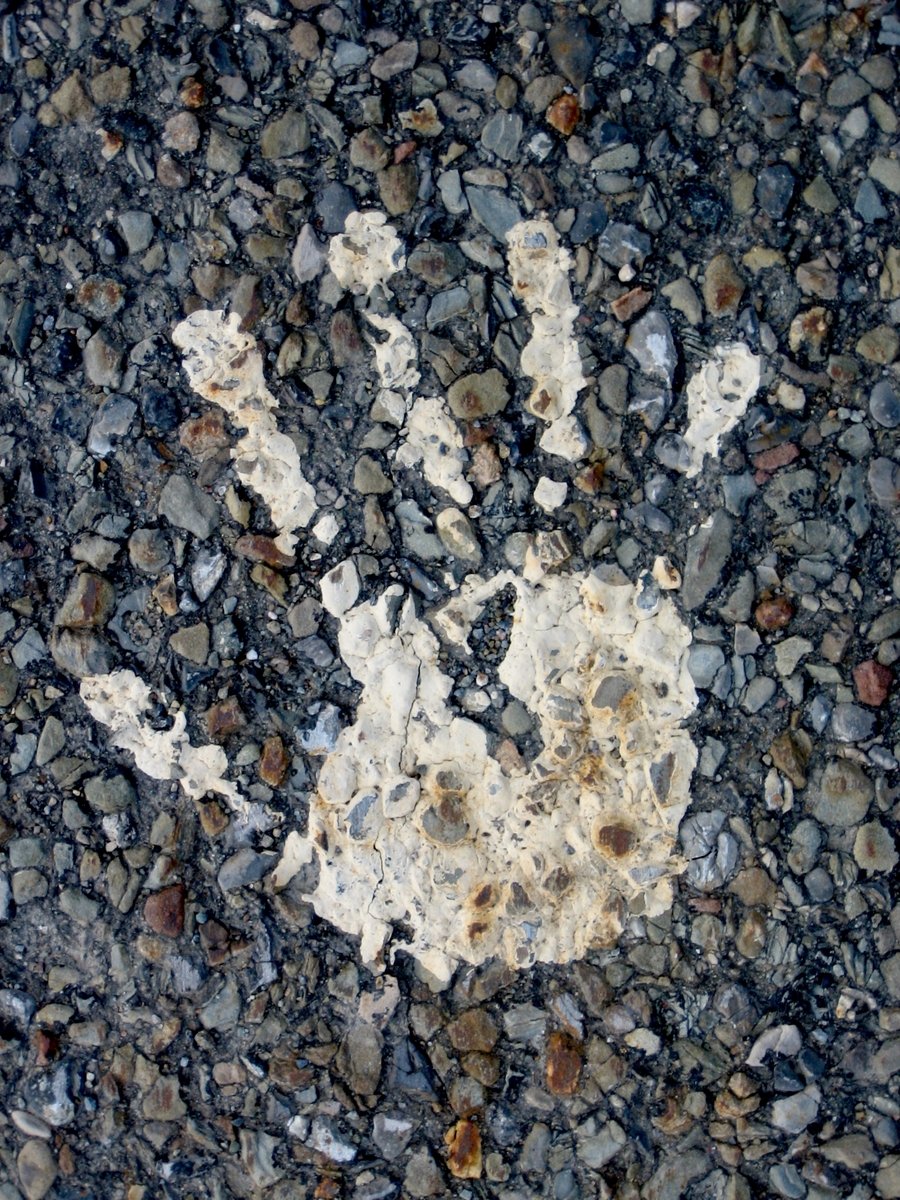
[[884, 403], [185, 506], [651, 344], [573, 48], [723, 287], [37, 1169], [502, 134], [707, 552], [775, 190], [841, 795], [494, 210]]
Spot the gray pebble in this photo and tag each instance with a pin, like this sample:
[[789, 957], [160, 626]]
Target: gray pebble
[[852, 723], [185, 506], [651, 344], [244, 866], [711, 851], [707, 552], [868, 206], [502, 134], [884, 403], [494, 210], [775, 189]]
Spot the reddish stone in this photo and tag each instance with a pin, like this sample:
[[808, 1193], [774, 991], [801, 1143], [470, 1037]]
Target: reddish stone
[[203, 436], [273, 762], [774, 613], [403, 151], [631, 303], [224, 718], [164, 911], [778, 456], [873, 682], [464, 1150], [259, 548], [564, 114], [563, 1064]]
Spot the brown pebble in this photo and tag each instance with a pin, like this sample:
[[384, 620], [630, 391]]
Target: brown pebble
[[630, 304], [274, 584], [164, 911], [224, 718], [213, 818], [564, 114], [563, 1064], [203, 436], [464, 1150], [473, 1030], [873, 682], [790, 752], [273, 762], [778, 456], [171, 173], [259, 548], [192, 94], [774, 613]]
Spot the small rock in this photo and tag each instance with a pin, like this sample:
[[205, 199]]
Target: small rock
[[369, 151], [651, 344], [183, 504], [774, 613], [369, 478], [458, 536], [842, 794], [285, 136], [102, 361], [707, 552], [873, 682], [109, 794], [479, 395], [723, 287], [309, 256], [192, 642], [563, 1066], [792, 1114], [164, 911], [879, 345], [501, 135], [398, 58], [564, 114], [775, 189], [423, 1177], [874, 848], [398, 187], [884, 403], [473, 1031], [573, 49], [850, 723], [359, 1058], [37, 1169], [163, 1101], [463, 1143], [88, 603], [243, 867], [274, 762], [71, 101], [494, 210]]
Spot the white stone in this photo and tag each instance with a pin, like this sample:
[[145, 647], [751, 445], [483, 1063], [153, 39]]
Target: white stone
[[549, 494], [224, 366], [340, 588], [415, 823], [326, 529]]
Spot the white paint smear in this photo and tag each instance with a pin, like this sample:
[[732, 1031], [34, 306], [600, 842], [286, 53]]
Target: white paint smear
[[717, 397], [366, 254], [432, 438], [539, 267], [415, 822], [224, 366], [123, 702]]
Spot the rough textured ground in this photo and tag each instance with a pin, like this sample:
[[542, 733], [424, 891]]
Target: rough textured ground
[[174, 1020]]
